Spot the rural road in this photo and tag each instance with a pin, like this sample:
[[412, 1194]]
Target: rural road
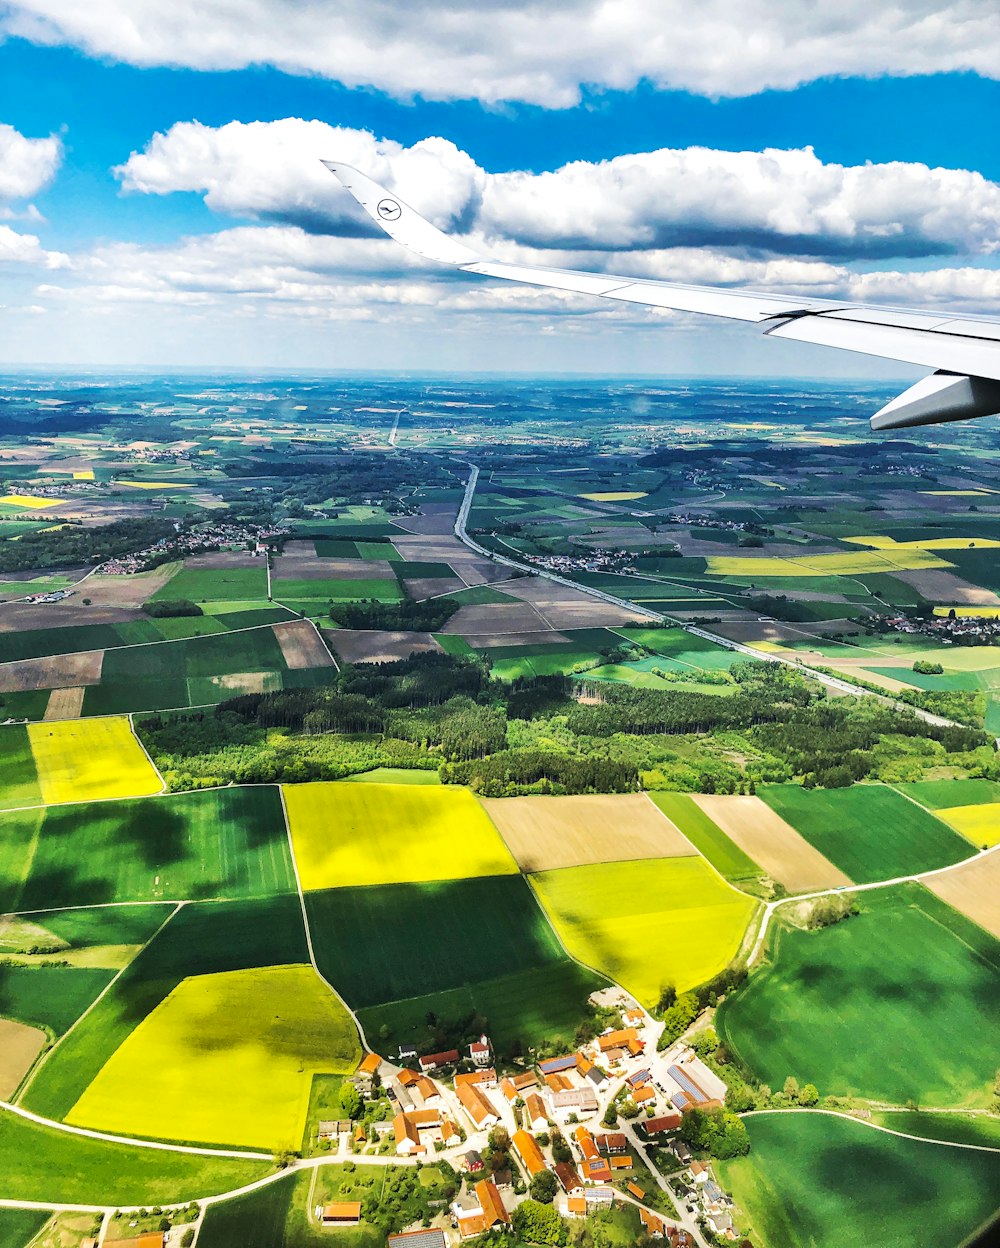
[[831, 682]]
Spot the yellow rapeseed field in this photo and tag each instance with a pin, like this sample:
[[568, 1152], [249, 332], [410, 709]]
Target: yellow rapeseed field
[[847, 564], [87, 759], [225, 1059], [980, 824], [31, 502], [881, 542], [613, 496], [350, 834]]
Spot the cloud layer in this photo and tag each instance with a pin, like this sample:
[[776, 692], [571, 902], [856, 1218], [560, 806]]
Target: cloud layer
[[779, 202], [543, 53]]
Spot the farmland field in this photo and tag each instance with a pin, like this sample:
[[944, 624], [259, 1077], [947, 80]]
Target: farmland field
[[41, 1164], [201, 939], [234, 583], [186, 846], [18, 1227], [871, 832], [351, 834], [907, 969], [225, 1059], [770, 841], [978, 824], [80, 762], [819, 1181], [707, 837], [647, 924], [18, 775], [416, 928], [939, 794], [973, 889], [545, 833], [523, 1010]]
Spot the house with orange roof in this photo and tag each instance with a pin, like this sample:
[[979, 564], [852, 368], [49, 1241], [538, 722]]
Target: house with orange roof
[[343, 1213], [558, 1083], [586, 1143], [517, 1085], [652, 1224], [576, 1206], [476, 1104], [644, 1094], [481, 1211], [407, 1128], [534, 1107], [624, 1038], [528, 1153], [369, 1065], [596, 1171], [635, 1190]]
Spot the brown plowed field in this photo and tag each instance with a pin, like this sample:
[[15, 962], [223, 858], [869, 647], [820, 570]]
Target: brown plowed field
[[59, 671], [378, 645], [973, 889], [545, 833], [19, 1046], [65, 703], [772, 843], [301, 646]]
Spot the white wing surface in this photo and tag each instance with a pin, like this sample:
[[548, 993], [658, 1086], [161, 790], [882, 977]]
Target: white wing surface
[[963, 351]]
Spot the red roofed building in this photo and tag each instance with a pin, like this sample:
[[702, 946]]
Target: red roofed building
[[433, 1060], [346, 1213], [669, 1121], [538, 1119]]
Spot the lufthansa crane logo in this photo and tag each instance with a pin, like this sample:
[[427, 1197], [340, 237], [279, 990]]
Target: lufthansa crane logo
[[388, 210]]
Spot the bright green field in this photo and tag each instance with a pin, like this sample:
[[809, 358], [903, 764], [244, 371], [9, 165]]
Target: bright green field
[[226, 1059], [216, 843], [941, 794], [350, 834], [38, 1163], [909, 970], [647, 924], [377, 945], [201, 939], [394, 775], [523, 1010], [871, 832], [707, 838], [817, 1181], [348, 590], [216, 584], [18, 777], [981, 1129]]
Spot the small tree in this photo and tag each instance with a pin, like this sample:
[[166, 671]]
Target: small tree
[[350, 1100], [543, 1187], [791, 1089], [809, 1095]]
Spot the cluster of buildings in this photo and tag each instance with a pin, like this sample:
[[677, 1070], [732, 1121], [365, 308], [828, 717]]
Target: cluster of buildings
[[963, 629], [200, 540]]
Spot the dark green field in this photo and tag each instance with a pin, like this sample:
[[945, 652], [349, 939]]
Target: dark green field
[[816, 1181], [200, 939], [40, 1164], [256, 1220], [726, 856], [182, 673], [523, 1010], [894, 1004], [379, 588], [215, 843], [405, 940], [18, 778], [19, 1226], [871, 832]]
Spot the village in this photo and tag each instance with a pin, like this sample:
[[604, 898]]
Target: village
[[552, 1133]]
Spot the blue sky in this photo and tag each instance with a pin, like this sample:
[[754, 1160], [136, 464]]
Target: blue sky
[[221, 241]]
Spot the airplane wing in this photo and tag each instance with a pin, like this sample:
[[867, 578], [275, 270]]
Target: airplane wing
[[963, 351]]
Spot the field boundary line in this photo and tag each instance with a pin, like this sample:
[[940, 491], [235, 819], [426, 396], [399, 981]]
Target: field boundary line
[[562, 944], [33, 1074], [877, 1126], [42, 1207], [322, 640], [365, 1046], [134, 1141], [138, 740]]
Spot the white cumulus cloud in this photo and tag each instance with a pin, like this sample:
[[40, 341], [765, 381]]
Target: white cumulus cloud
[[26, 165], [543, 52], [775, 201]]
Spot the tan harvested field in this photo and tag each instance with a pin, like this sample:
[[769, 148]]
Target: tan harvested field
[[248, 682], [377, 645], [17, 617], [436, 518], [973, 888], [772, 843], [224, 559], [947, 587], [19, 1046], [563, 607], [545, 833], [119, 591], [58, 671], [65, 703], [287, 568], [495, 617], [421, 588], [301, 646]]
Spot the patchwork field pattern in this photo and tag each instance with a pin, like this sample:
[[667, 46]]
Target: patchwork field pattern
[[824, 1181], [869, 831], [706, 836], [771, 842], [227, 1059], [19, 1046], [544, 833], [18, 774], [215, 843], [202, 938], [356, 834], [978, 824], [86, 760], [908, 970], [647, 924]]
